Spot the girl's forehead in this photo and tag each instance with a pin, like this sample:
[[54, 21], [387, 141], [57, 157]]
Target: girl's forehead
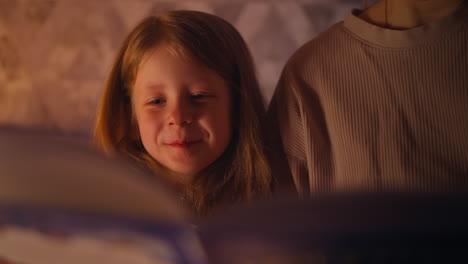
[[166, 62], [183, 54], [162, 67]]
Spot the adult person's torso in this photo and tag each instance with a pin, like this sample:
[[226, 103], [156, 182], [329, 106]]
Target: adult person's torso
[[397, 117]]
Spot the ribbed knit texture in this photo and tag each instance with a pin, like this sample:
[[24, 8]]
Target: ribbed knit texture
[[362, 108]]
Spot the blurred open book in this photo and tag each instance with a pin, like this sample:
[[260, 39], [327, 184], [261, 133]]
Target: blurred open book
[[62, 202]]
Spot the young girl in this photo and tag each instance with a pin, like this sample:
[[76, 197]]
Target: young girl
[[183, 100]]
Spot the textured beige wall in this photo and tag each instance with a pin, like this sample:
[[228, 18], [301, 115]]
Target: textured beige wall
[[55, 55]]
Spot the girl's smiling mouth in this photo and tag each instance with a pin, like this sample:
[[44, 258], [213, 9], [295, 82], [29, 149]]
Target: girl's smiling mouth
[[183, 143]]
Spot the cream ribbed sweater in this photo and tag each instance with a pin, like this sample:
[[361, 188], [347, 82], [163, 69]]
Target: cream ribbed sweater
[[362, 108]]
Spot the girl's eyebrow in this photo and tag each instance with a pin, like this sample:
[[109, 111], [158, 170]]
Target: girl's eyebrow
[[200, 83], [153, 86]]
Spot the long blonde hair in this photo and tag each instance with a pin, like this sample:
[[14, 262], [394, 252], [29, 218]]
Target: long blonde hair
[[242, 172]]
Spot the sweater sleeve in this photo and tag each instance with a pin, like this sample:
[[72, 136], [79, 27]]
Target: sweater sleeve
[[296, 113], [287, 134]]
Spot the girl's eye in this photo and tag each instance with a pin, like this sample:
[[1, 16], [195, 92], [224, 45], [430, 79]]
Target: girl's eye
[[200, 96], [157, 101]]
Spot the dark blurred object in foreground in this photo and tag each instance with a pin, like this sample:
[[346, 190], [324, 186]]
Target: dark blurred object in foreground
[[62, 203], [367, 228]]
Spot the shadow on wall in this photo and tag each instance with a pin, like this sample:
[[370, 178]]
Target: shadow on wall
[[55, 55]]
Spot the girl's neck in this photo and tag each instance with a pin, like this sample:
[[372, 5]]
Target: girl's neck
[[406, 14]]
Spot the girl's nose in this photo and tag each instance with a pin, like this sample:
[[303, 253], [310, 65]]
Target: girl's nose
[[180, 114]]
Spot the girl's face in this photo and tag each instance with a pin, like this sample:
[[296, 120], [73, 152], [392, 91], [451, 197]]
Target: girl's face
[[183, 112]]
